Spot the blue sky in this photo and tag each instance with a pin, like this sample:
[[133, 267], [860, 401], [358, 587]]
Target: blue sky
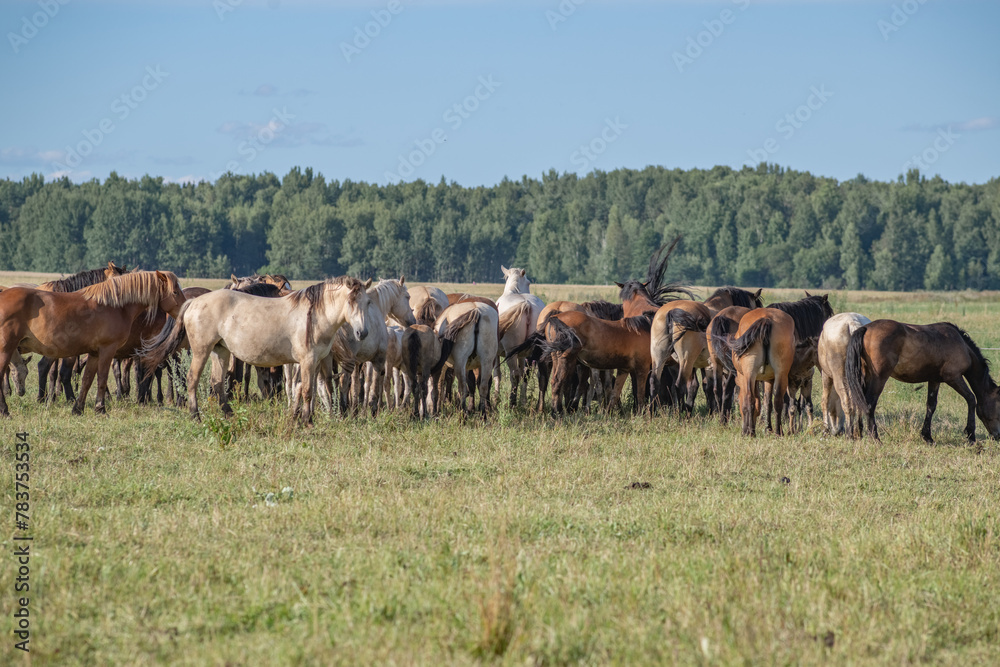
[[476, 91]]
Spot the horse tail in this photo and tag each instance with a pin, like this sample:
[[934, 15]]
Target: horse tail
[[682, 321], [451, 331], [512, 316], [564, 339], [758, 331], [854, 367], [154, 351], [428, 312], [412, 340], [719, 331]]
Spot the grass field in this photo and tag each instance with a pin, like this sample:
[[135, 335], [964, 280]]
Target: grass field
[[522, 540]]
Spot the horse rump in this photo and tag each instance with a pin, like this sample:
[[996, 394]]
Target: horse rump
[[720, 332], [854, 369], [512, 316], [563, 340], [758, 331], [451, 332]]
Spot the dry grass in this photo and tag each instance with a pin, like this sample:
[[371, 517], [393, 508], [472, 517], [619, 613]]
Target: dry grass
[[521, 540]]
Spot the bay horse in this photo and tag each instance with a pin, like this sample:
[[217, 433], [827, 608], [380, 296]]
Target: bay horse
[[297, 328], [728, 296], [838, 411], [914, 353], [678, 332], [621, 345], [519, 311], [427, 302], [763, 350], [95, 321], [720, 354], [468, 332]]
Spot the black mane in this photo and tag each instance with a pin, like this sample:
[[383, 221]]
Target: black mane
[[739, 297], [80, 280], [260, 289], [809, 315], [604, 310]]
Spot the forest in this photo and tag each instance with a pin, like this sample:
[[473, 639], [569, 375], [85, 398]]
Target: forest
[[765, 226]]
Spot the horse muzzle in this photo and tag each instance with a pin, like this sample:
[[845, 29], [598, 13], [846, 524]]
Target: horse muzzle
[[361, 334]]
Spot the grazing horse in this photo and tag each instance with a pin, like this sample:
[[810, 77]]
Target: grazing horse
[[389, 298], [621, 345], [838, 412], [427, 303], [912, 353], [420, 352], [95, 321], [519, 311], [723, 324], [298, 328], [469, 340], [678, 332], [62, 369], [763, 350]]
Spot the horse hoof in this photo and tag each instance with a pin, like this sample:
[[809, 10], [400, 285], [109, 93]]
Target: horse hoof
[[77, 410]]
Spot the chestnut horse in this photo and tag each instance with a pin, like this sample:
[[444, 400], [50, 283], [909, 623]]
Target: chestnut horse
[[95, 321], [912, 353], [763, 350]]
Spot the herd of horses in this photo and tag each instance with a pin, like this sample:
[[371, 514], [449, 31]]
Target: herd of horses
[[390, 344]]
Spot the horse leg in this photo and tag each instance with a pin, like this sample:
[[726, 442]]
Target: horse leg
[[44, 363], [198, 360], [873, 389], [544, 373], [515, 378], [616, 392], [5, 356], [158, 374], [959, 385], [116, 368], [307, 391], [932, 396], [780, 390], [104, 360], [89, 371], [768, 400], [640, 379]]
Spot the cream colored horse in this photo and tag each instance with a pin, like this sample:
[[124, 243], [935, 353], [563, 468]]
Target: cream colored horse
[[838, 412], [297, 328], [427, 303], [469, 340], [519, 311]]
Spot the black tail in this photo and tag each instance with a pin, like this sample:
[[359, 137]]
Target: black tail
[[758, 331], [683, 321], [451, 330], [413, 345], [531, 341], [564, 339], [719, 331], [154, 352], [854, 367]]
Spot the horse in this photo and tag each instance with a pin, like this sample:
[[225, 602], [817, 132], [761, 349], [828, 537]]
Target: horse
[[720, 355], [678, 331], [838, 412], [387, 299], [621, 345], [726, 297], [62, 370], [519, 311], [278, 280], [95, 321], [763, 350], [798, 405], [469, 340], [427, 303], [14, 375], [298, 327], [913, 353], [420, 350], [639, 298]]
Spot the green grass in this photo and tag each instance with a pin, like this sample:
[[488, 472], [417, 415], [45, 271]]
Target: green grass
[[521, 540]]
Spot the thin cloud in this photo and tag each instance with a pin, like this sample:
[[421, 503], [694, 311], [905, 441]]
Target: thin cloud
[[29, 156]]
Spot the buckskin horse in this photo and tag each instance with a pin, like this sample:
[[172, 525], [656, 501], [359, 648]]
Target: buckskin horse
[[763, 350], [913, 353], [678, 331], [95, 321]]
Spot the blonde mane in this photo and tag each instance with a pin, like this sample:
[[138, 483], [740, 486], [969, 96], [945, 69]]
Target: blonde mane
[[142, 287], [314, 294]]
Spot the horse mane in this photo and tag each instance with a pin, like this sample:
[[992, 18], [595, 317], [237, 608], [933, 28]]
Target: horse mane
[[313, 295], [604, 310], [809, 314], [977, 354], [738, 296], [653, 288], [78, 281], [142, 287], [638, 323], [260, 289]]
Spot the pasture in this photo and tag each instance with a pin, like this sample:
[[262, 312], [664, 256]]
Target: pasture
[[520, 540]]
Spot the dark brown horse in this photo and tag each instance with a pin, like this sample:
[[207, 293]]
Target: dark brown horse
[[95, 321], [763, 350], [913, 353], [723, 325]]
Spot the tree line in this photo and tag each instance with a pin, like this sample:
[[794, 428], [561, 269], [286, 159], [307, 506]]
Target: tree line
[[764, 226]]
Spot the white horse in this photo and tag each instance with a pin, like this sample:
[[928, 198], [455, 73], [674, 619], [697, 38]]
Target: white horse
[[296, 328], [519, 311], [387, 299], [469, 340], [832, 351]]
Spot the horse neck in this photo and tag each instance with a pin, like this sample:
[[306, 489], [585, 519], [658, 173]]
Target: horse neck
[[383, 296], [514, 288], [978, 376]]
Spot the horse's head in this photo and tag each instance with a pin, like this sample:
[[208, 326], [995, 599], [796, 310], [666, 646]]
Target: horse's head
[[19, 372], [171, 294], [399, 309], [757, 298], [517, 281], [357, 308], [988, 409]]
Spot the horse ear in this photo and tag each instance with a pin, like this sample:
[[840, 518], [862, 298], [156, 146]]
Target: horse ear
[[522, 273], [368, 284], [232, 276], [758, 293], [402, 280], [505, 270], [808, 294], [162, 277], [826, 298], [111, 265], [619, 284]]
